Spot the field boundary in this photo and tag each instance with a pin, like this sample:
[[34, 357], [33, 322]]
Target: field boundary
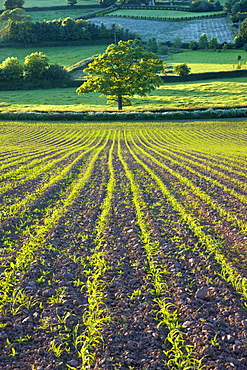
[[197, 114]]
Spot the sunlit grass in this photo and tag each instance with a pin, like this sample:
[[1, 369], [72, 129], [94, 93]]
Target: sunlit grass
[[208, 60], [201, 94], [44, 3], [57, 14], [63, 55], [159, 13]]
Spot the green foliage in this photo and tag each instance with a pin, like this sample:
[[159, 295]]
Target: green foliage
[[71, 2], [66, 29], [193, 45], [203, 41], [36, 69], [35, 65], [182, 69], [243, 30], [121, 72], [213, 43], [202, 6], [12, 4], [11, 69], [15, 15]]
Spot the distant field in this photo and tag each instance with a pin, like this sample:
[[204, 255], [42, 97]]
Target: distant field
[[199, 94], [158, 13], [56, 14], [198, 60], [44, 3], [208, 60], [65, 56], [164, 31]]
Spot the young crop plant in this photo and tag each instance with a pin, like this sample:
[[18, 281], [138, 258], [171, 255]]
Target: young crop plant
[[36, 237], [212, 245], [195, 189], [180, 356], [96, 314]]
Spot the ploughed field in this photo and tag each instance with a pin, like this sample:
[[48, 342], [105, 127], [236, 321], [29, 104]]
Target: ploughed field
[[123, 246]]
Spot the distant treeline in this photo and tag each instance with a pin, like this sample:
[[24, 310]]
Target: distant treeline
[[59, 30]]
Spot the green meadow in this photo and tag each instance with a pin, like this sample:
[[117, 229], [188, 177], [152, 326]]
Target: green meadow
[[49, 15], [208, 60], [164, 13], [44, 3], [63, 55], [198, 60], [201, 94]]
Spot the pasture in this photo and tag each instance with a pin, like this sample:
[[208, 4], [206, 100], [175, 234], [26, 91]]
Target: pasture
[[201, 94], [47, 3], [159, 13], [49, 15], [123, 245], [63, 55]]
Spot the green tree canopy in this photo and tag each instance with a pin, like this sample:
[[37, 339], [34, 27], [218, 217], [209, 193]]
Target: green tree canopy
[[243, 29], [13, 4], [15, 15], [182, 69], [11, 69], [121, 72], [203, 41], [35, 65]]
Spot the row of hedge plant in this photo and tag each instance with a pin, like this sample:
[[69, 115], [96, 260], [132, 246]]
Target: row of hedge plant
[[170, 18], [126, 116]]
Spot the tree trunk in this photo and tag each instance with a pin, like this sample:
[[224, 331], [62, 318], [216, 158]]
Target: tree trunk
[[120, 102]]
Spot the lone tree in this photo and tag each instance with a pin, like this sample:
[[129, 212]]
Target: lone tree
[[121, 72], [182, 69]]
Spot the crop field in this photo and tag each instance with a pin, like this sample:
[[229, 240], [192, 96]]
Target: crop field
[[123, 246], [189, 95], [169, 30]]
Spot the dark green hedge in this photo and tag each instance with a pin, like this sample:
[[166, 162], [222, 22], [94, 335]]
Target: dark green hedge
[[206, 76], [125, 116]]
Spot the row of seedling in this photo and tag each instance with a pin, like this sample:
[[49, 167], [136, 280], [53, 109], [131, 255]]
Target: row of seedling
[[35, 237], [213, 246], [196, 190], [180, 355]]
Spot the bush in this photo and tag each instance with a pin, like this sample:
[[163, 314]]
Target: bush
[[11, 70], [201, 6], [182, 69]]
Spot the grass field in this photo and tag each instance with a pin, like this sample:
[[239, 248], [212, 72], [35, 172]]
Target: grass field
[[198, 60], [123, 245], [201, 94], [45, 3], [49, 15], [63, 55], [158, 13], [208, 60]]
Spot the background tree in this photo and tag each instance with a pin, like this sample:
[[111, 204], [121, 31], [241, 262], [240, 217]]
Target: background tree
[[11, 70], [203, 41], [13, 4], [177, 44], [243, 30], [71, 2], [35, 65], [213, 43], [201, 6], [15, 15], [121, 72], [182, 69]]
